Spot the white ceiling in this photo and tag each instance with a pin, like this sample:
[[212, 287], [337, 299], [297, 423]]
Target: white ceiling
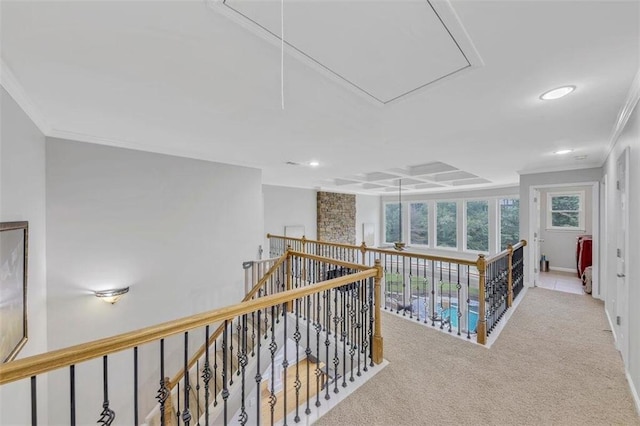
[[187, 78]]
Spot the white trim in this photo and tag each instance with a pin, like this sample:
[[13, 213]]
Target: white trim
[[562, 269], [625, 113], [613, 329], [634, 390], [11, 84]]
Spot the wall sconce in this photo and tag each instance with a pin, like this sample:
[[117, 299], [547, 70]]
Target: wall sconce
[[111, 296]]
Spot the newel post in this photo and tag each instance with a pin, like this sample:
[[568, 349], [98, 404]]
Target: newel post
[[363, 249], [482, 309], [510, 277], [378, 353]]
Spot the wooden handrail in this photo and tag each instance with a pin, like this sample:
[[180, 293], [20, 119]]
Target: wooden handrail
[[38, 364], [363, 248], [505, 252]]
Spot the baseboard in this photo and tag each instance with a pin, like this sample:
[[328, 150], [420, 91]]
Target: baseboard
[[634, 391], [561, 269]]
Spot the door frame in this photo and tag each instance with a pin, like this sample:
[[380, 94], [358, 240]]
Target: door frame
[[595, 225], [623, 327]]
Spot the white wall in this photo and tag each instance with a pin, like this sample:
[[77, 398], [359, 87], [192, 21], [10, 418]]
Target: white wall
[[22, 197], [527, 181], [367, 211], [285, 206], [175, 230], [559, 245], [630, 137]]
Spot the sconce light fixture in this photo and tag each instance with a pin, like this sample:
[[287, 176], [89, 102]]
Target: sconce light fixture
[[111, 296]]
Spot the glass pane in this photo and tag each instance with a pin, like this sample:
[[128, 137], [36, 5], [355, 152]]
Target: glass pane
[[509, 222], [565, 219], [565, 202], [392, 223], [478, 225], [446, 224], [419, 218]]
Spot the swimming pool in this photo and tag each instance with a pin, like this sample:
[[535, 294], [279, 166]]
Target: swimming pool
[[450, 313]]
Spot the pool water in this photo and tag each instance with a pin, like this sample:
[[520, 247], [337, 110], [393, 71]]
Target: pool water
[[450, 313]]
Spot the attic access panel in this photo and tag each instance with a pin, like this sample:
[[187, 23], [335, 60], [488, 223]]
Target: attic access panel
[[383, 49]]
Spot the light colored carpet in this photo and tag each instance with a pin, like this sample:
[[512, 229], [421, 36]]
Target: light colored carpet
[[553, 364]]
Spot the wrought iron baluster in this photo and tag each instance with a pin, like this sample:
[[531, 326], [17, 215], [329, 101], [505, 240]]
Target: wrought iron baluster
[[242, 361], [327, 341], [296, 338], [318, 328], [186, 414], [359, 325], [206, 375], [225, 390], [258, 377], [352, 323], [34, 402], [343, 335], [163, 392], [253, 333], [72, 394], [371, 320], [198, 392], [307, 350], [273, 347], [231, 352], [425, 283], [135, 386], [336, 334], [215, 373], [285, 365], [365, 323], [108, 415], [468, 302], [178, 399], [449, 292], [459, 287]]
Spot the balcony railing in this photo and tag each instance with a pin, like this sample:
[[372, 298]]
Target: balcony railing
[[460, 296]]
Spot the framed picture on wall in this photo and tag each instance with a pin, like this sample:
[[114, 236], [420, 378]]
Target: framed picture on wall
[[14, 238]]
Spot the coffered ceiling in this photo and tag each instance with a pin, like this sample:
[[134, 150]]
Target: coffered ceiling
[[374, 91]]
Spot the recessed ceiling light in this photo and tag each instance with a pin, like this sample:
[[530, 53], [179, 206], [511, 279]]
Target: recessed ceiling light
[[314, 163], [557, 93], [563, 151]]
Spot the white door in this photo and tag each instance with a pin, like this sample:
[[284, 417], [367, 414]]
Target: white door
[[536, 237], [622, 289]]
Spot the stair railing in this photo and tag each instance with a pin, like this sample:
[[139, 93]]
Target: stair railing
[[329, 333]]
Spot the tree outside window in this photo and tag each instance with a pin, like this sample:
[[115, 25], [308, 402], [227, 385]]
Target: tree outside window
[[419, 220], [446, 224], [509, 222], [392, 222], [478, 225], [565, 210]]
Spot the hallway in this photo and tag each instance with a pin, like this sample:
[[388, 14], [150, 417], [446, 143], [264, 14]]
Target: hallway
[[554, 363]]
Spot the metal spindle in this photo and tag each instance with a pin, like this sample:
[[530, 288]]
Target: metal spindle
[[273, 346], [135, 387], [34, 402], [108, 415], [285, 365], [258, 377], [186, 414], [296, 338], [242, 360], [225, 390], [72, 394]]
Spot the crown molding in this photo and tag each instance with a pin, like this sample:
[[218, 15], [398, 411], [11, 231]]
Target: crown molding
[[11, 84], [625, 113]]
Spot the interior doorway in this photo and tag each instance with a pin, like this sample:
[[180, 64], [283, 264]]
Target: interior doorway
[[554, 247]]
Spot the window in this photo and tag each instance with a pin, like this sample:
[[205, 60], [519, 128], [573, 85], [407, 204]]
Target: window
[[565, 210], [478, 225], [446, 224], [419, 220], [509, 222], [391, 222]]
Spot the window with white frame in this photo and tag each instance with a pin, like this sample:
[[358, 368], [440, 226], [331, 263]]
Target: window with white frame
[[419, 223], [477, 225], [392, 223], [565, 210], [447, 224], [509, 221]]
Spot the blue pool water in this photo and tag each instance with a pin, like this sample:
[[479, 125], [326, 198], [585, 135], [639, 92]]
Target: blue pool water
[[450, 313]]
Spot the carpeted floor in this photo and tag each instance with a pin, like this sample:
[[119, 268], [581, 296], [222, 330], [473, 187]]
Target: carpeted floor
[[553, 364]]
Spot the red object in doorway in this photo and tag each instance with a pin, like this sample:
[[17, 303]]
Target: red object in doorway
[[583, 253]]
